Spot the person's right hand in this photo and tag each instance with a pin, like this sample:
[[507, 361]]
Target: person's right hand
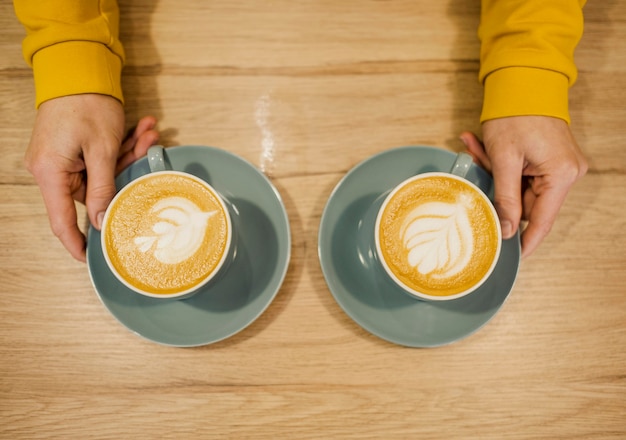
[[76, 149]]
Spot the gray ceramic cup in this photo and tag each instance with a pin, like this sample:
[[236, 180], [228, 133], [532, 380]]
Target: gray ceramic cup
[[436, 251], [172, 254]]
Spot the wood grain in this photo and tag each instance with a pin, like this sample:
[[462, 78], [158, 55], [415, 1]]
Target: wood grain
[[306, 90]]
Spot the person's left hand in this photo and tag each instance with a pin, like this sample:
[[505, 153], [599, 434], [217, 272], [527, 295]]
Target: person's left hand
[[534, 160]]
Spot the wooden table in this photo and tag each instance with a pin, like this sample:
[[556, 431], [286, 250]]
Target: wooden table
[[306, 90]]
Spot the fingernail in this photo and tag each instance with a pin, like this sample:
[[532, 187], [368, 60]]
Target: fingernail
[[99, 219], [507, 229], [463, 140]]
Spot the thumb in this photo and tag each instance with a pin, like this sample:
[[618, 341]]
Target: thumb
[[508, 193], [100, 185]]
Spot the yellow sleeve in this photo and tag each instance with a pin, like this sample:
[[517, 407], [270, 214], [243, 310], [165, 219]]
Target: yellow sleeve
[[72, 46], [527, 56]]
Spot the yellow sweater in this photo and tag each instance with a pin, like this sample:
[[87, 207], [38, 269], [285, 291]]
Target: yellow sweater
[[527, 56], [527, 52], [73, 46]]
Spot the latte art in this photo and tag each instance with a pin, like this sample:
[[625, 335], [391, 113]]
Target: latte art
[[180, 235], [166, 233], [437, 235], [438, 238]]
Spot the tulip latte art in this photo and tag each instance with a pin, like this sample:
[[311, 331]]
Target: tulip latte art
[[437, 235], [166, 233]]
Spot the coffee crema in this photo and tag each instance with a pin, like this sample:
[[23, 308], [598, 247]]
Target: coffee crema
[[166, 233], [437, 235]]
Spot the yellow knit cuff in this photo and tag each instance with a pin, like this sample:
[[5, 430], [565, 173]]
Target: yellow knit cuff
[[523, 91], [76, 67]]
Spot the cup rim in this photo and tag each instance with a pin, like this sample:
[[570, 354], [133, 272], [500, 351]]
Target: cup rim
[[187, 292], [389, 272]]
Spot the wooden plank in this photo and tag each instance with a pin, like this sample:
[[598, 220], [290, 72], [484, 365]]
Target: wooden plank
[[306, 90]]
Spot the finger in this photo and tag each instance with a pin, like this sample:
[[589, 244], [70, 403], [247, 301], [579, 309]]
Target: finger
[[528, 201], [146, 123], [545, 209], [476, 149], [507, 177], [100, 182], [147, 139], [78, 187], [59, 203]]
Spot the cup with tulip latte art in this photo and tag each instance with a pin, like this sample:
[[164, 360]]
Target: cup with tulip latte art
[[167, 233], [437, 235]]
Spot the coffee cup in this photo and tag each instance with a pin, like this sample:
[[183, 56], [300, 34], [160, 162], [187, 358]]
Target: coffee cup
[[437, 235], [168, 233]]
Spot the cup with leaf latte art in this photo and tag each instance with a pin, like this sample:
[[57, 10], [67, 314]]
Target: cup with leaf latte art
[[166, 234], [437, 235]]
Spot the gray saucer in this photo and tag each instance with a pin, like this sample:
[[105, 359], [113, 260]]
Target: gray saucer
[[361, 287], [251, 282]]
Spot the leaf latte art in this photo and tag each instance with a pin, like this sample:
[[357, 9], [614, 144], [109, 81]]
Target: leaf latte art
[[437, 235]]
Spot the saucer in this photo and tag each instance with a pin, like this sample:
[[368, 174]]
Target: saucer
[[243, 292], [365, 292]]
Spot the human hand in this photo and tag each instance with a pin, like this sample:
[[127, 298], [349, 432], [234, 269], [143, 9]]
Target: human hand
[[76, 149], [534, 160]]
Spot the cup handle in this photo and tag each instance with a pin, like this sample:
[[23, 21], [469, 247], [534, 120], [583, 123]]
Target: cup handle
[[156, 158], [462, 164]]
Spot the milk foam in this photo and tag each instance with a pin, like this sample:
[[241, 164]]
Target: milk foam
[[438, 238], [181, 233]]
